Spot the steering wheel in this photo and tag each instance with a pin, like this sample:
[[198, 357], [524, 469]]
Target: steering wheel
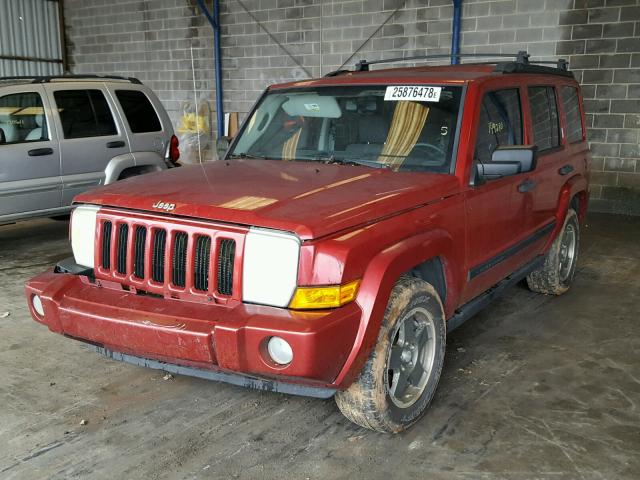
[[434, 149]]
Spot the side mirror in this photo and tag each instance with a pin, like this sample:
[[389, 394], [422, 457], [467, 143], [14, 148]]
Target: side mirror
[[509, 160], [3, 138], [222, 145]]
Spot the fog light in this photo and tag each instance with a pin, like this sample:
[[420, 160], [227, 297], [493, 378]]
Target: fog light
[[280, 351], [37, 305]]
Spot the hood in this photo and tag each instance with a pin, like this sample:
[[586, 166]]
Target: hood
[[310, 199]]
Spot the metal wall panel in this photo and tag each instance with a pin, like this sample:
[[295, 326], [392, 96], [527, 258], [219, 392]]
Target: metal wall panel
[[30, 38]]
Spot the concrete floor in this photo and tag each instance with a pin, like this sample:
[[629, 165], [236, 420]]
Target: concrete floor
[[533, 387]]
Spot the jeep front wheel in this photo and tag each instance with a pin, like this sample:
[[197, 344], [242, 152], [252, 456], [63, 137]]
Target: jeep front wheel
[[400, 376], [556, 274]]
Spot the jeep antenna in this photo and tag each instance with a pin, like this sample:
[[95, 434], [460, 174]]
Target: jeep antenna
[[195, 102]]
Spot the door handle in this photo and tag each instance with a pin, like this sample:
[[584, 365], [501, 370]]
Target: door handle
[[565, 170], [38, 152], [115, 144], [526, 186]]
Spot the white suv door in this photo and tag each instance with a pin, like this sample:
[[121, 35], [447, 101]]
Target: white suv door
[[90, 134], [29, 153]]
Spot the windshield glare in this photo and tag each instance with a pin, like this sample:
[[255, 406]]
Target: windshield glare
[[353, 125]]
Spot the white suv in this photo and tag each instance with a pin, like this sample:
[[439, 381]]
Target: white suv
[[60, 136]]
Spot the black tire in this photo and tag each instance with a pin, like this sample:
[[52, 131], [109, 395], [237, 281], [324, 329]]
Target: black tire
[[371, 401], [556, 275]]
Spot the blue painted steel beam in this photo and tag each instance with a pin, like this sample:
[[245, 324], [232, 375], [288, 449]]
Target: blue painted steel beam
[[214, 20], [455, 33]]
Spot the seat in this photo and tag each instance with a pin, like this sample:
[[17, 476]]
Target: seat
[[37, 133], [9, 129]]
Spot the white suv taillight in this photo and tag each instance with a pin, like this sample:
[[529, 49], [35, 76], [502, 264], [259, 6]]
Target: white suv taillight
[[83, 234]]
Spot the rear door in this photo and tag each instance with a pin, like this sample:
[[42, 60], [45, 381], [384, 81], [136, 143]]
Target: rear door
[[545, 180], [147, 129], [496, 210], [90, 134], [29, 153]]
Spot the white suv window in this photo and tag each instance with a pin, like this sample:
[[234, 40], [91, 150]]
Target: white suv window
[[84, 113], [22, 118]]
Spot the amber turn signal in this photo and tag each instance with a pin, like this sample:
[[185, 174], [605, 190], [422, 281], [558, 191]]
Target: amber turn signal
[[308, 298]]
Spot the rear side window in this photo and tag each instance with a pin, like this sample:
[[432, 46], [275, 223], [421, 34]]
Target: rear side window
[[84, 113], [571, 107], [544, 117], [22, 118], [141, 115], [500, 123]]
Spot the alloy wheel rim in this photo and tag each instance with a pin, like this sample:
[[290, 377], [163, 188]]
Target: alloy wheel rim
[[567, 251], [411, 357]]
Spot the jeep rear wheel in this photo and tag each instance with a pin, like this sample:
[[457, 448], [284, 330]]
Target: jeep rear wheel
[[559, 268], [400, 377]]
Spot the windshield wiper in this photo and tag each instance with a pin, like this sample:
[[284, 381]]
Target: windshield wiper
[[352, 161], [249, 155]]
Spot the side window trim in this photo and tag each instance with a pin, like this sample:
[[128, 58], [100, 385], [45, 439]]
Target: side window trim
[[572, 141], [505, 116], [559, 129], [115, 129], [44, 127]]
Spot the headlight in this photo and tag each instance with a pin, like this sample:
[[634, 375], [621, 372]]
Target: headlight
[[83, 234], [270, 267]]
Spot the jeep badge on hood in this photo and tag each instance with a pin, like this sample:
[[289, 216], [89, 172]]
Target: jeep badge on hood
[[168, 207]]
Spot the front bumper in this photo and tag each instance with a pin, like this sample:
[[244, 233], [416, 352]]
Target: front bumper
[[222, 342]]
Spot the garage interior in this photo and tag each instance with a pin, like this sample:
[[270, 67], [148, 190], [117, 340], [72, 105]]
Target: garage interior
[[532, 387]]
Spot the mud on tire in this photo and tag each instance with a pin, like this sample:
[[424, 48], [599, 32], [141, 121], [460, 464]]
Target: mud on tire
[[556, 274], [377, 400]]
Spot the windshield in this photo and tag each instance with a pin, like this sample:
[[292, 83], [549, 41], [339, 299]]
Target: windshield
[[363, 125]]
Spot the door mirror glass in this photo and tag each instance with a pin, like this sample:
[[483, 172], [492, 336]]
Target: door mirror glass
[[222, 145], [510, 160]]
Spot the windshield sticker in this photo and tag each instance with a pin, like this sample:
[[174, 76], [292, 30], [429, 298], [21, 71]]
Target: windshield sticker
[[407, 92], [312, 107]]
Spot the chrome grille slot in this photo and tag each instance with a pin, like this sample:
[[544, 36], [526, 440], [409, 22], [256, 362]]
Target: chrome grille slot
[[179, 259], [123, 234], [201, 266], [157, 261], [226, 258]]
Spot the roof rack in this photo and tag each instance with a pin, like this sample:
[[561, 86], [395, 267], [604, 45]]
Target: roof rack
[[49, 78], [520, 64]]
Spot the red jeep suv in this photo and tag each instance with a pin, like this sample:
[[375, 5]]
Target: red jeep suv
[[353, 221]]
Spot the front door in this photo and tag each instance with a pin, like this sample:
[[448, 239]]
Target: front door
[[29, 153]]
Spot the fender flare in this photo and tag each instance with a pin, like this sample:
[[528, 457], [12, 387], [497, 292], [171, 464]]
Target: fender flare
[[379, 279], [128, 160], [576, 185]]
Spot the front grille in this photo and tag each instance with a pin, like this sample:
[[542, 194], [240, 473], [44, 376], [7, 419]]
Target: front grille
[[141, 239], [179, 270], [157, 261], [152, 257], [123, 234], [225, 266], [203, 257], [106, 245]]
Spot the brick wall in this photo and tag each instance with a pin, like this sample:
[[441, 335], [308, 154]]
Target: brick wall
[[267, 41]]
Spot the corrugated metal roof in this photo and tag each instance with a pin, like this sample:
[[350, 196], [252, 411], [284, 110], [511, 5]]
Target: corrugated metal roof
[[30, 29]]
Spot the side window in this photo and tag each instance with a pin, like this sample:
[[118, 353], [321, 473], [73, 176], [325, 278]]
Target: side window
[[141, 115], [500, 123], [22, 118], [571, 107], [544, 117], [84, 113]]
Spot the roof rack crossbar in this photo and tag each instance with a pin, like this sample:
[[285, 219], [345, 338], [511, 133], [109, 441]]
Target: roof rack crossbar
[[48, 78], [521, 58]]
